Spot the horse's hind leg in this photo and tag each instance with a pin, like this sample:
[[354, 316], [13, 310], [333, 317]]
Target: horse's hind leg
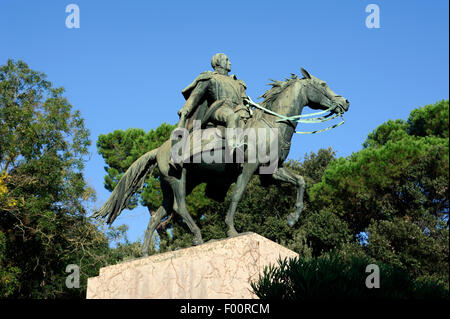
[[179, 190], [285, 175], [156, 218]]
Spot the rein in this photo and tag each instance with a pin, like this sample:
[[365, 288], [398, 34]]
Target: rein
[[298, 118]]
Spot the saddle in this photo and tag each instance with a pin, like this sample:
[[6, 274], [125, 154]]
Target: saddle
[[211, 137]]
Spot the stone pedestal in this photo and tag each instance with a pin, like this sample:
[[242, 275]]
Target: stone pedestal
[[221, 269]]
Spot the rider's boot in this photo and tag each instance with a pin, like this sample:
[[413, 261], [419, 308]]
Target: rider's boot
[[234, 142]]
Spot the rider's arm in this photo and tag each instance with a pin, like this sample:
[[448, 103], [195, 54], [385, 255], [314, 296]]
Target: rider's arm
[[194, 99], [244, 96]]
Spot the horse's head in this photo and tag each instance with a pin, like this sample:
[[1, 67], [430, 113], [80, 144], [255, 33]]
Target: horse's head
[[320, 96]]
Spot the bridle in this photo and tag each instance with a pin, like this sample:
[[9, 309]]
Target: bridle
[[305, 117]]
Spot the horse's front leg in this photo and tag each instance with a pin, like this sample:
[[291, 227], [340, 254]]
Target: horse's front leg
[[285, 175], [247, 172]]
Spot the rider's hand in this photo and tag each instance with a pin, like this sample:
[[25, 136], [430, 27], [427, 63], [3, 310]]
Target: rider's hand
[[248, 100]]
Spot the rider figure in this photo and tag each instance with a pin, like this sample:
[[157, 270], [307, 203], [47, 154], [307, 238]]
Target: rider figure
[[218, 95]]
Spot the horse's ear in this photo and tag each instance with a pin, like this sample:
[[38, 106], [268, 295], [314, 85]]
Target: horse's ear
[[305, 73]]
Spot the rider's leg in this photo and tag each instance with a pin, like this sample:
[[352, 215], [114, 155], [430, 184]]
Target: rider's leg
[[227, 116]]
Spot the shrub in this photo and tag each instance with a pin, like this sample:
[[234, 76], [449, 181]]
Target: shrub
[[329, 277]]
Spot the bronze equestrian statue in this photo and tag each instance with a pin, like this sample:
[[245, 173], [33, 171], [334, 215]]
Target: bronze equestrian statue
[[279, 112]]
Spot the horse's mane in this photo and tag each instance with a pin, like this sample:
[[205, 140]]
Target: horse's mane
[[277, 87]]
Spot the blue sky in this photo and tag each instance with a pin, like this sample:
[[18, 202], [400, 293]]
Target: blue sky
[[128, 62]]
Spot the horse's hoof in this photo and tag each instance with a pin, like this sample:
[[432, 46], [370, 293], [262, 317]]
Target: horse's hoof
[[197, 241], [291, 220], [232, 233]]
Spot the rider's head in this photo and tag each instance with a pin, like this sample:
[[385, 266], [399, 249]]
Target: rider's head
[[220, 63]]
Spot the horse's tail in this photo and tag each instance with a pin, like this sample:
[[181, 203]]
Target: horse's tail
[[130, 183]]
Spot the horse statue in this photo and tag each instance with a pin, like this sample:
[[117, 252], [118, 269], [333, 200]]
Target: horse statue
[[280, 111]]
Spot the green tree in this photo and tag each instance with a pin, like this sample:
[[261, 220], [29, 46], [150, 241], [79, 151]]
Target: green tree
[[43, 223], [396, 191], [124, 249], [403, 243], [9, 281]]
